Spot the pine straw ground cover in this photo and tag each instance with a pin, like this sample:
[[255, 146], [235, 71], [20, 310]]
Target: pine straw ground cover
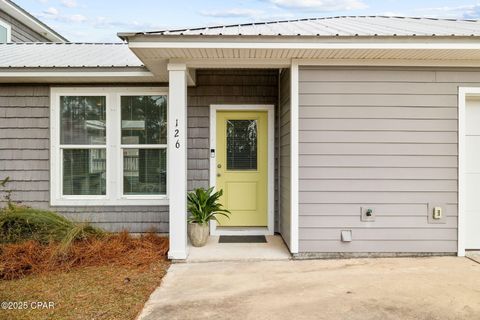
[[107, 277]]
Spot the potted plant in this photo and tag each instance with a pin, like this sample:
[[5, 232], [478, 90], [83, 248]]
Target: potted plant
[[203, 206]]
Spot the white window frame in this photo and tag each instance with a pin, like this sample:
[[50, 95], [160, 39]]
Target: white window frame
[[9, 29], [114, 179]]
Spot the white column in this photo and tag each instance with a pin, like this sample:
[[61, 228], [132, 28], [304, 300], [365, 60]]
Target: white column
[[177, 160]]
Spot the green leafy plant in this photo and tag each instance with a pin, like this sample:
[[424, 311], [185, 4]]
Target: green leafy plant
[[18, 224], [8, 192], [203, 206]]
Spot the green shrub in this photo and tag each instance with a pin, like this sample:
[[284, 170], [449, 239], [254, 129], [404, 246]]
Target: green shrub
[[18, 224]]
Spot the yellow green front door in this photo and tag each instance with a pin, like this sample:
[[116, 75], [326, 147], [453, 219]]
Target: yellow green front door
[[242, 167]]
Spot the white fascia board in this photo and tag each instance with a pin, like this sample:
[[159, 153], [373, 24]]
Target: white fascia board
[[424, 45], [73, 74]]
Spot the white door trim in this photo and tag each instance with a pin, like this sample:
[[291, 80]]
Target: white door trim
[[271, 166], [463, 94]]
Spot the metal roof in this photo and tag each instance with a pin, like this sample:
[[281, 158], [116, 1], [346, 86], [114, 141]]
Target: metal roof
[[336, 26], [67, 55]]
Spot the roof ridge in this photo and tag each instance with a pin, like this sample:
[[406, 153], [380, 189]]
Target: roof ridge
[[304, 19]]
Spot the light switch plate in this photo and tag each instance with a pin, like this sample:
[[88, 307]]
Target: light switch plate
[[364, 216], [430, 208]]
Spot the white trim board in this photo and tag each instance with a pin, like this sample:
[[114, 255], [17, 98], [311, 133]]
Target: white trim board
[[463, 94], [294, 156], [269, 230]]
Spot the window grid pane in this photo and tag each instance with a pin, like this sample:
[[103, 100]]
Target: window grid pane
[[83, 120], [144, 120], [144, 171], [84, 171], [241, 144]]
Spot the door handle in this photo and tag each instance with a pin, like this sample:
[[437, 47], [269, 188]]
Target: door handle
[[219, 175]]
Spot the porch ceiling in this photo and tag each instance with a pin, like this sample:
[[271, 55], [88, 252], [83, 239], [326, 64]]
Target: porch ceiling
[[156, 55]]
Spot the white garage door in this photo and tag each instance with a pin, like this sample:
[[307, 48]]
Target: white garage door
[[472, 174]]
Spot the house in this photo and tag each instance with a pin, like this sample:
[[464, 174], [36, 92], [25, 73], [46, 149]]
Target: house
[[347, 136], [17, 25]]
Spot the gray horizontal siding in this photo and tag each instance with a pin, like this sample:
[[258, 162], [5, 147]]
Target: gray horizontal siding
[[20, 32], [223, 87], [379, 137], [24, 157], [284, 114]]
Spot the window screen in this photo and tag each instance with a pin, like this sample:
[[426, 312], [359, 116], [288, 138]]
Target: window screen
[[241, 144]]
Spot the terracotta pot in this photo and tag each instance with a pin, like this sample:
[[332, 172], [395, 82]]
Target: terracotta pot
[[198, 234]]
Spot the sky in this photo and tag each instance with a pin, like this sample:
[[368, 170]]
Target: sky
[[100, 20]]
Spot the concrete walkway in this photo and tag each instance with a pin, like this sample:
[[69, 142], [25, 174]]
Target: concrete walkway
[[401, 288]]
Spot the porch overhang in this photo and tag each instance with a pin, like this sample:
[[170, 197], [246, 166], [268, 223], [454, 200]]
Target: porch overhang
[[155, 51]]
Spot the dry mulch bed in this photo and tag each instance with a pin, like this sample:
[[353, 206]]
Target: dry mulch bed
[[99, 278]]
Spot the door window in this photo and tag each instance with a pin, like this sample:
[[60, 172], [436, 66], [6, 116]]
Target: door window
[[241, 144]]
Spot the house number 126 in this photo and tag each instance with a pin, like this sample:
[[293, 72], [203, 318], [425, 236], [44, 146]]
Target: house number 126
[[177, 135]]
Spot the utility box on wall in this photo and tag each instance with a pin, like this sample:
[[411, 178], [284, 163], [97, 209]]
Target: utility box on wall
[[437, 213]]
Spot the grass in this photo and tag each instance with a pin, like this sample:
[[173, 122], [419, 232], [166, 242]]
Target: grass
[[104, 292]]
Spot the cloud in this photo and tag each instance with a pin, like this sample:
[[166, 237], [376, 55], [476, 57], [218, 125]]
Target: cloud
[[77, 18], [69, 3], [458, 12], [55, 15], [51, 11], [233, 13], [320, 5], [122, 25]]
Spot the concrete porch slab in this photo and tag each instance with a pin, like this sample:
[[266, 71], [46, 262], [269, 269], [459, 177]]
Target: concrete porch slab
[[274, 249]]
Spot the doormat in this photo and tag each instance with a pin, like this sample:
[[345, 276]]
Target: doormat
[[242, 239]]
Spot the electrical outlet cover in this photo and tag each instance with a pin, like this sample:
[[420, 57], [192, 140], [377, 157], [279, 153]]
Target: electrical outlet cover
[[363, 214], [430, 207]]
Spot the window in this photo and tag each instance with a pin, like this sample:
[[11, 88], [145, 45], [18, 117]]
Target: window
[[144, 142], [242, 145], [5, 32], [109, 146]]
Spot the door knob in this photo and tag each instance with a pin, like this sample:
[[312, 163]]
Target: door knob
[[218, 175]]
